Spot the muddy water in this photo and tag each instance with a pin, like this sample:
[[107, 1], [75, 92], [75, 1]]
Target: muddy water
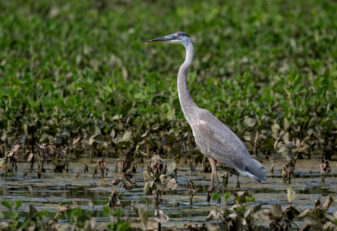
[[91, 193]]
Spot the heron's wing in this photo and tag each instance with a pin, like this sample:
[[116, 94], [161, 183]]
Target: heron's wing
[[216, 140]]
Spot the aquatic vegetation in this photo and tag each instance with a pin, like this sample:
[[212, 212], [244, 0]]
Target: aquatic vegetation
[[191, 186], [240, 216], [317, 218], [325, 169], [270, 75], [100, 166], [246, 215], [9, 162], [160, 217], [282, 219], [264, 210], [77, 218], [114, 198], [157, 166], [156, 179], [77, 82]]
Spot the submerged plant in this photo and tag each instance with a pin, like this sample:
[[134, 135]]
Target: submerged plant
[[282, 219], [10, 160], [160, 217], [127, 168], [156, 180], [33, 220], [241, 216], [191, 186], [318, 218], [325, 169], [114, 198], [100, 166], [289, 169], [78, 218], [157, 166]]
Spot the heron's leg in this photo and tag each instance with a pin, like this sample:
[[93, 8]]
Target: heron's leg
[[218, 188], [237, 182], [214, 175], [211, 186]]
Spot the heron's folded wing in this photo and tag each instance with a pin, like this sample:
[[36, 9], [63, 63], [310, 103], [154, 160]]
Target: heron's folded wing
[[216, 140]]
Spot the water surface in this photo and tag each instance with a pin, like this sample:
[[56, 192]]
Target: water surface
[[79, 188]]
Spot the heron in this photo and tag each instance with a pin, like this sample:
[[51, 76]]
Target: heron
[[213, 138]]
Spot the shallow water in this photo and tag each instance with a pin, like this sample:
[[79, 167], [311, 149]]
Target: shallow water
[[93, 193]]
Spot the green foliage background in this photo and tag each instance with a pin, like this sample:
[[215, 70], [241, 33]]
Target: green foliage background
[[80, 68]]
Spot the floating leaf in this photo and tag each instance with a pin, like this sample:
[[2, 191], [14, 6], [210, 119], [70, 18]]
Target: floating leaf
[[91, 140], [30, 157], [148, 187], [327, 203], [285, 138], [127, 136], [76, 140], [171, 166], [216, 214], [116, 117], [226, 195], [112, 133], [7, 204], [249, 121], [162, 178], [215, 196], [143, 217], [99, 139], [17, 205], [15, 148], [114, 198], [172, 184], [146, 175], [291, 194], [117, 181], [250, 199], [64, 208], [241, 196], [275, 128], [160, 216], [276, 211]]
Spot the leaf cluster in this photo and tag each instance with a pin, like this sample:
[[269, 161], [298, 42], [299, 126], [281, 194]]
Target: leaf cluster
[[70, 69]]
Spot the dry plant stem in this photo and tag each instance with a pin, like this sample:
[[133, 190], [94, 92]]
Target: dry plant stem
[[255, 143], [272, 167], [237, 182]]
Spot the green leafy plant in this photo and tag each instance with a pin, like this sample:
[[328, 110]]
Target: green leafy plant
[[272, 66]]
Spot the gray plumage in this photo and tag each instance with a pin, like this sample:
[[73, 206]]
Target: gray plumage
[[214, 139]]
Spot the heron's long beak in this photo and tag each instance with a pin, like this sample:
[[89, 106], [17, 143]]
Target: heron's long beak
[[159, 40]]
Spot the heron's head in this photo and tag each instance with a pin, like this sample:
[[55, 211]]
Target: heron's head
[[177, 37]]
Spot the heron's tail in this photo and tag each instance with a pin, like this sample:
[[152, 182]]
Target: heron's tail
[[255, 170]]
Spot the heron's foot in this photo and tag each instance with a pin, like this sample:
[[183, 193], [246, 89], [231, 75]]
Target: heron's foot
[[209, 193], [218, 188], [237, 182]]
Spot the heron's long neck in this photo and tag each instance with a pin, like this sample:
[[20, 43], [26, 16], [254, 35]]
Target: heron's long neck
[[186, 102]]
